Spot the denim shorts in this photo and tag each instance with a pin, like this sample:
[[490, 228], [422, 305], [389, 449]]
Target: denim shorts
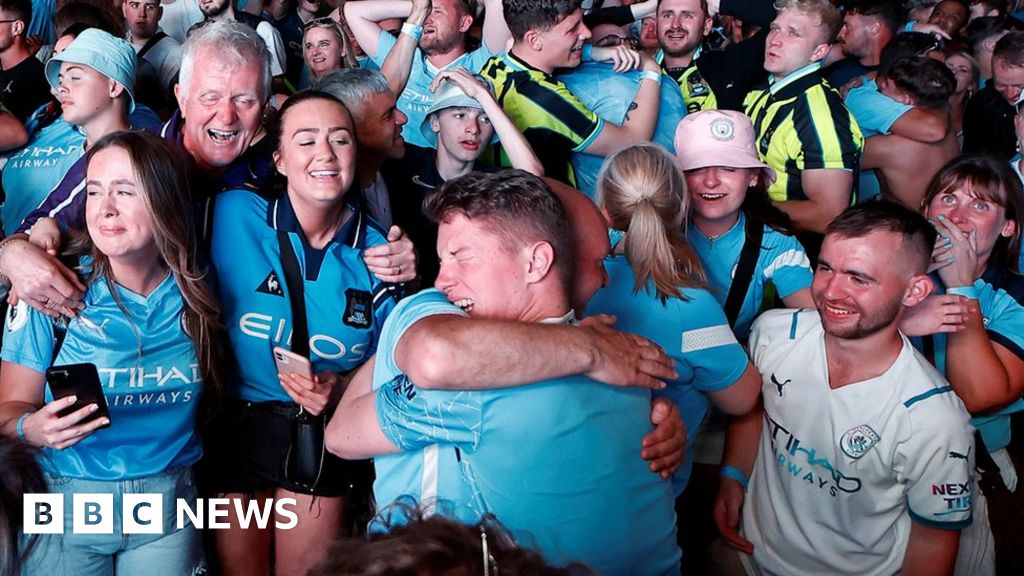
[[173, 553]]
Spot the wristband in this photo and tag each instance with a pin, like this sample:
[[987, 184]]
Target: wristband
[[20, 426], [734, 473], [969, 292], [651, 75], [414, 31]]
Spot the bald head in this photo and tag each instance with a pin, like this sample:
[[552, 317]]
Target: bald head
[[590, 234]]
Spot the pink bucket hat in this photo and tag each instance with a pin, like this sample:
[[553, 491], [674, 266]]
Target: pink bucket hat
[[718, 138]]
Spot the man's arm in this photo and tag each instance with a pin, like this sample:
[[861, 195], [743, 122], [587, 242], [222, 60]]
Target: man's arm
[[497, 353], [363, 17], [927, 125], [354, 431], [495, 30], [828, 194], [398, 65], [640, 120], [12, 131], [742, 437], [930, 550]]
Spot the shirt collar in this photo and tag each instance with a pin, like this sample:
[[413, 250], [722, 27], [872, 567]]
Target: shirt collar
[[281, 216], [780, 83]]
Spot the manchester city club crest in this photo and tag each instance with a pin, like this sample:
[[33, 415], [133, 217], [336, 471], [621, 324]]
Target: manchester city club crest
[[722, 129], [358, 308], [858, 440]]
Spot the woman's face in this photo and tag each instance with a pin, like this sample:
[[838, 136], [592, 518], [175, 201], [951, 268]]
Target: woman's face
[[83, 92], [323, 51], [118, 220], [317, 152], [717, 192], [961, 69], [970, 213]]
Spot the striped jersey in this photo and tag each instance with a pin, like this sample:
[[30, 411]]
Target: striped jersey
[[802, 124], [696, 91], [554, 121]]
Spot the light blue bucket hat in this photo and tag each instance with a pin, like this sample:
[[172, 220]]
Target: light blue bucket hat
[[111, 56]]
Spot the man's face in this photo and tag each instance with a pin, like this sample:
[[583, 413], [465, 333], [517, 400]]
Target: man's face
[[9, 30], [795, 39], [222, 109], [950, 16], [860, 284], [142, 17], [83, 93], [855, 35], [462, 133], [445, 27], [682, 24], [379, 126], [480, 272], [309, 5], [1007, 79], [213, 8], [562, 44]]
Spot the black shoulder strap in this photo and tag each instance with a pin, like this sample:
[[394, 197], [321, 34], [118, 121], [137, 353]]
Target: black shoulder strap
[[153, 41], [296, 294], [744, 270]]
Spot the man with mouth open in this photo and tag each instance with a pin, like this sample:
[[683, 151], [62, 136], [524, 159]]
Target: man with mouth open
[[851, 470], [555, 461], [549, 35], [682, 26], [804, 131], [433, 39]]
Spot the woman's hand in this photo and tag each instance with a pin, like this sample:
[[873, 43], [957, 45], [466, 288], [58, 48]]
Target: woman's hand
[[955, 256], [313, 395], [45, 428], [938, 313], [46, 235], [394, 261]]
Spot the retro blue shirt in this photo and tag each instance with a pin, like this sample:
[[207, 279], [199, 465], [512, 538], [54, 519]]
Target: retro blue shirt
[[1004, 322], [574, 483], [345, 303], [694, 332], [417, 98], [782, 262], [609, 94], [149, 372]]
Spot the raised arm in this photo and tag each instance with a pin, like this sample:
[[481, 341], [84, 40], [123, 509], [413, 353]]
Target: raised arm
[[363, 17], [495, 30], [513, 142], [641, 118], [828, 193], [398, 65]]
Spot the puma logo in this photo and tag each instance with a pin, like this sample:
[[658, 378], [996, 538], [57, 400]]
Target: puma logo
[[954, 455], [780, 385]]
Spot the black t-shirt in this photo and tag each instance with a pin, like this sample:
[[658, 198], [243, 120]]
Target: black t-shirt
[[24, 88], [410, 179], [988, 124]]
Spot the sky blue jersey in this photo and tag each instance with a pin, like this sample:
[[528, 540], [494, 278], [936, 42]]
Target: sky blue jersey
[[556, 462], [149, 373]]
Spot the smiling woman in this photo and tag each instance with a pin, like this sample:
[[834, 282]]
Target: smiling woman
[[148, 311], [303, 251], [325, 47]]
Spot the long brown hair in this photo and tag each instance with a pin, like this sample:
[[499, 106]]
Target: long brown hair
[[165, 192], [644, 195]]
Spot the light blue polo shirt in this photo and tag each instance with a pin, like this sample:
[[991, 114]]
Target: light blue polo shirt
[[556, 462]]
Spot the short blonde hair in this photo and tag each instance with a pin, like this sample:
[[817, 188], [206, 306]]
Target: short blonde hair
[[830, 16]]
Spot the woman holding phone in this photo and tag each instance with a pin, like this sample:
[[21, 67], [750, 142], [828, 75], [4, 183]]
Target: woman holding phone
[[288, 261], [149, 329]]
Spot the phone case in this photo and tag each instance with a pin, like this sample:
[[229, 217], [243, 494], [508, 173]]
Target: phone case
[[288, 362], [83, 381]]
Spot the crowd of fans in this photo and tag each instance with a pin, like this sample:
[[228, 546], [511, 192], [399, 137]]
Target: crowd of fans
[[518, 286]]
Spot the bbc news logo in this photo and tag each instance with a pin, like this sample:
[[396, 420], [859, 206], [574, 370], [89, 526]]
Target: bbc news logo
[[144, 513]]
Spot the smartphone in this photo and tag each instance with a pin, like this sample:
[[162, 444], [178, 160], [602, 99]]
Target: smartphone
[[289, 362], [83, 381]]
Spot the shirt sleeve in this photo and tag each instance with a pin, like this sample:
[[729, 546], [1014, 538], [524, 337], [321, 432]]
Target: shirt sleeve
[[274, 43], [28, 338], [408, 312], [936, 462], [557, 110], [385, 42], [1004, 317], [875, 112], [708, 345], [412, 418], [786, 264]]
